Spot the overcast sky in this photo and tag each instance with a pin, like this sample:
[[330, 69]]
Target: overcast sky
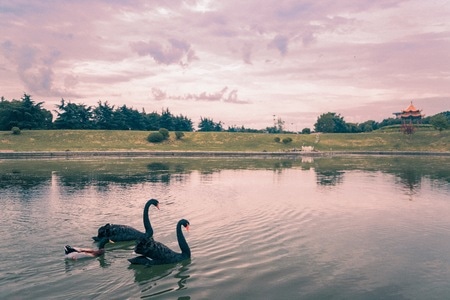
[[234, 61]]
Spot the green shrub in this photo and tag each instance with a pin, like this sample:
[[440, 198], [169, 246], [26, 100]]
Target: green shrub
[[15, 130], [306, 131], [155, 137], [179, 134], [408, 129], [277, 140], [287, 140], [164, 132]]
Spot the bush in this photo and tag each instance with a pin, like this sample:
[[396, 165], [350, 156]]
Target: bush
[[179, 134], [408, 129], [306, 131], [277, 140], [165, 133], [155, 137], [15, 130], [287, 140]]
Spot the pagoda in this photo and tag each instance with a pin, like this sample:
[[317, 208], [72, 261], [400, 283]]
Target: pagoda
[[410, 114]]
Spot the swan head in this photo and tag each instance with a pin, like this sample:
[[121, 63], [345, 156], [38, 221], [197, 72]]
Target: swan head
[[185, 223], [153, 202], [104, 231]]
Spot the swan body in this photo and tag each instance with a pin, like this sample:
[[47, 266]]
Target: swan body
[[156, 253], [118, 233], [75, 253], [122, 233]]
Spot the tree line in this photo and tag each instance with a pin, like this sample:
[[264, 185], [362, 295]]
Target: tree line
[[27, 114], [334, 123]]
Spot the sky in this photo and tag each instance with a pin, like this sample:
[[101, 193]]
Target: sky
[[243, 63]]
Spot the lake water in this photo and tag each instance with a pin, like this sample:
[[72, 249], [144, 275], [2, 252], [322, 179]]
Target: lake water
[[311, 228]]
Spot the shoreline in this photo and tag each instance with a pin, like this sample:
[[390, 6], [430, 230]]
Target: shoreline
[[197, 154]]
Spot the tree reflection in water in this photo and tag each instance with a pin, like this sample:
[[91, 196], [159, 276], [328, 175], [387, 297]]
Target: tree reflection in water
[[79, 175], [329, 178], [410, 179]]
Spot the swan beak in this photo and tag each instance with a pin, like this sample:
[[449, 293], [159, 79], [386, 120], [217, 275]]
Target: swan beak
[[187, 228], [157, 206], [111, 241]]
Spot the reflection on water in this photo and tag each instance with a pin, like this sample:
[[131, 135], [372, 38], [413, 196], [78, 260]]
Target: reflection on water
[[149, 277], [73, 265], [410, 179], [330, 171], [329, 177], [322, 228]]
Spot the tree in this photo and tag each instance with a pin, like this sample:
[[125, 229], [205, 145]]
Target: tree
[[103, 116], [8, 114], [152, 121], [330, 122], [209, 125], [73, 116], [439, 122], [368, 126], [33, 115], [278, 126], [324, 123], [167, 120], [352, 128], [128, 118], [24, 114], [389, 122], [234, 128], [182, 123], [339, 124], [372, 124]]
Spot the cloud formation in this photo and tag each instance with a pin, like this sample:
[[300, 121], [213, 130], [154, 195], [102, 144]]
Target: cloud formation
[[223, 95], [294, 59], [174, 51]]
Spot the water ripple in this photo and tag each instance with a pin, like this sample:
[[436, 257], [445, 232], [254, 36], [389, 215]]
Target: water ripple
[[254, 235]]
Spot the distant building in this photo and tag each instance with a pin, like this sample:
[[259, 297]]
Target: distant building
[[410, 114]]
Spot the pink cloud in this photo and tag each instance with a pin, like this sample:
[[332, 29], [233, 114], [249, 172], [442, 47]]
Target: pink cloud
[[280, 42], [222, 95], [172, 52]]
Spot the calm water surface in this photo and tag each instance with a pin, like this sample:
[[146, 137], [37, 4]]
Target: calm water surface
[[323, 228]]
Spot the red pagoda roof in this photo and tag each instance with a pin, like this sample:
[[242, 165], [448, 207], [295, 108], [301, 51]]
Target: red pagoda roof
[[411, 108], [411, 112]]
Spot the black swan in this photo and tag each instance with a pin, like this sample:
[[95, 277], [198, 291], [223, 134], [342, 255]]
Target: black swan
[[121, 233], [156, 253], [77, 253]]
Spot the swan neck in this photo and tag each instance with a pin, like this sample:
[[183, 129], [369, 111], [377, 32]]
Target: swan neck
[[182, 241], [102, 243], [147, 225]]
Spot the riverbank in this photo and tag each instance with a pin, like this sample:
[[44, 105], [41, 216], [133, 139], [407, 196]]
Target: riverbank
[[40, 143], [198, 154]]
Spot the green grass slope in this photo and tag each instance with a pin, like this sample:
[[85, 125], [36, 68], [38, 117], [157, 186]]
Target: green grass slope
[[105, 140]]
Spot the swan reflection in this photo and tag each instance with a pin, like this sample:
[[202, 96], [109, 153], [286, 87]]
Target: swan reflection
[[161, 279]]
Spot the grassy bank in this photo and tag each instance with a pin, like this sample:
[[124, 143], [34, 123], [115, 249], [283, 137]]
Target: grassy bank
[[99, 140]]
